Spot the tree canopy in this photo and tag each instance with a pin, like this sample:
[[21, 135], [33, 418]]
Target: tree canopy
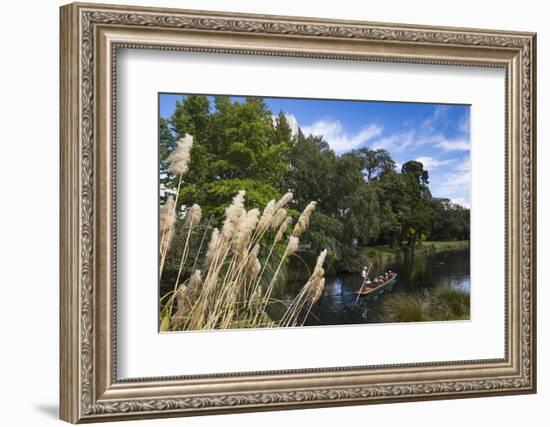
[[361, 198]]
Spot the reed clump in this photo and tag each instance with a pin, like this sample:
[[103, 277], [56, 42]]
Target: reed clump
[[231, 282], [442, 304], [404, 308]]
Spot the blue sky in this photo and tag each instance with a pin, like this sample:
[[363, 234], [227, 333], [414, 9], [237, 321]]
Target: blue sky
[[438, 135]]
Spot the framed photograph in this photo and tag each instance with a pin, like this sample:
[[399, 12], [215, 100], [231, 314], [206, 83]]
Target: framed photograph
[[266, 212]]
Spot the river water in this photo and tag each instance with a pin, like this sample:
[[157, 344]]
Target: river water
[[416, 275]]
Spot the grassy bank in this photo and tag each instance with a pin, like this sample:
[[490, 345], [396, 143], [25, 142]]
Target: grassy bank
[[384, 254], [442, 304], [354, 260]]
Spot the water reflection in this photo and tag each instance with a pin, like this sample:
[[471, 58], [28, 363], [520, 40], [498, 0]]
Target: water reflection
[[339, 304]]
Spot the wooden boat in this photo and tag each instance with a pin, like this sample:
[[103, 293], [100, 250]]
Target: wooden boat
[[373, 291]]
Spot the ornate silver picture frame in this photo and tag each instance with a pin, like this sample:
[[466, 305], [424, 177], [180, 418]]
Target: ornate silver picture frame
[[91, 34]]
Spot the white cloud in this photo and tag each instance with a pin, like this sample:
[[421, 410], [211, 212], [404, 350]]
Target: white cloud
[[464, 123], [453, 180], [439, 113], [292, 122], [462, 202], [439, 140], [334, 134], [430, 163], [454, 144], [395, 142], [463, 166], [455, 185]]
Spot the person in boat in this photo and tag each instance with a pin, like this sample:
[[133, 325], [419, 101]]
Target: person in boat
[[365, 279], [367, 286]]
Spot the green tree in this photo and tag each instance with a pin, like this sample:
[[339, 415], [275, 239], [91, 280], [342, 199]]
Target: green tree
[[450, 221], [312, 172], [167, 143], [356, 202], [417, 224], [242, 141], [361, 199], [416, 169], [236, 146], [192, 116], [395, 201], [375, 163], [283, 131], [324, 232]]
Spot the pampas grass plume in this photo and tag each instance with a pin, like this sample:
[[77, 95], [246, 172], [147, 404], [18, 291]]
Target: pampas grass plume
[[282, 229], [283, 201], [212, 246], [233, 214], [193, 217], [247, 226], [167, 215], [178, 161], [303, 220], [267, 215], [278, 218], [292, 246]]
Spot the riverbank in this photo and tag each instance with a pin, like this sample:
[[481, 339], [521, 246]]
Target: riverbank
[[385, 254], [353, 260], [430, 287]]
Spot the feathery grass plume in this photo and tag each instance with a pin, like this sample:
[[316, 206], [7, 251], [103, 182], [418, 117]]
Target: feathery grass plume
[[256, 297], [292, 246], [178, 161], [193, 216], [255, 251], [167, 219], [282, 229], [252, 255], [318, 271], [247, 225], [308, 295], [317, 290], [283, 201], [234, 291], [233, 215], [212, 246], [195, 282], [278, 218], [167, 214], [253, 264], [185, 297], [255, 268], [303, 220], [177, 319], [267, 214]]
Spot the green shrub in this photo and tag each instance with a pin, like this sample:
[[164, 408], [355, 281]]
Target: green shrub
[[443, 304]]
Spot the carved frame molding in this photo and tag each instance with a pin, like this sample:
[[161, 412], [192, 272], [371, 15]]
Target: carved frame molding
[[90, 37]]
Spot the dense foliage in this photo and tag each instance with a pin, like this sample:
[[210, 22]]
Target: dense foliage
[[361, 198]]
